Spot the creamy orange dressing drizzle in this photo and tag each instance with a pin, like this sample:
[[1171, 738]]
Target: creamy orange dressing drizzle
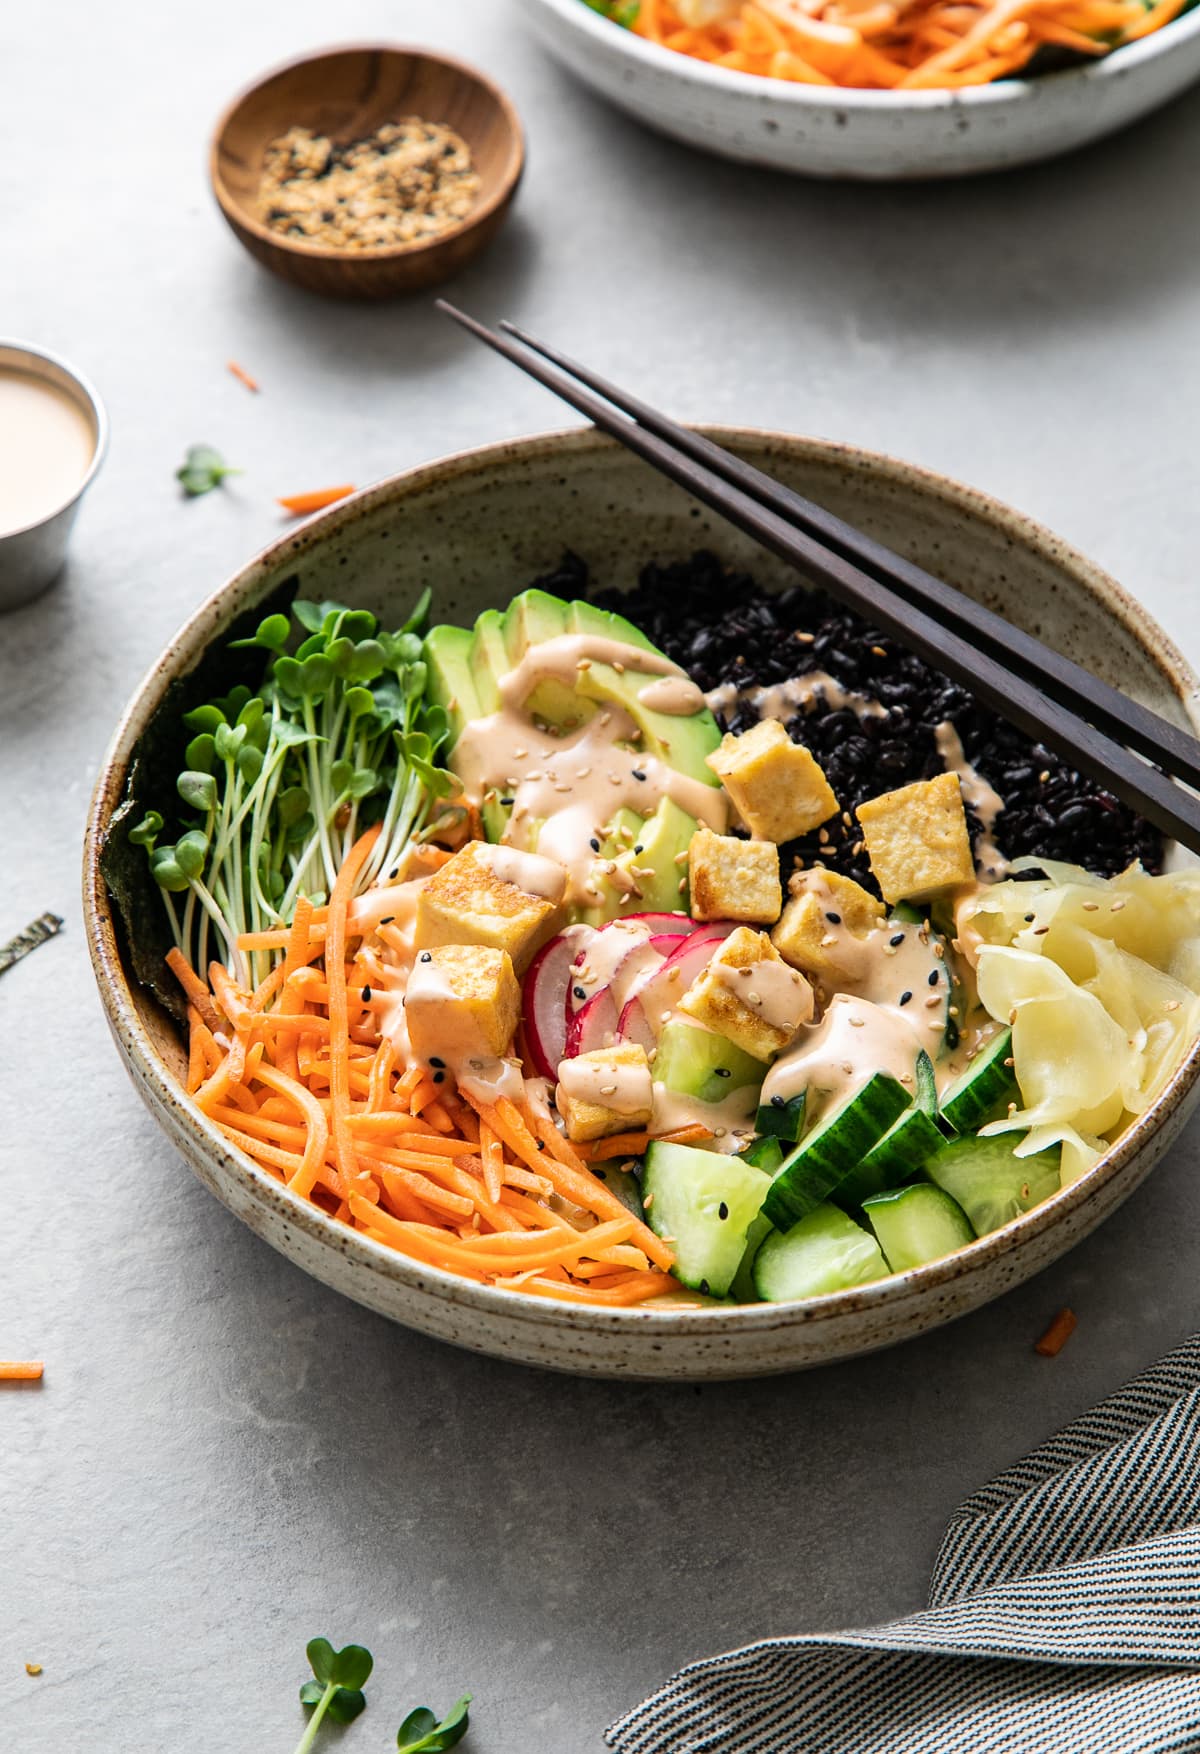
[[983, 798], [626, 1090], [567, 788], [46, 449], [677, 696], [783, 700], [836, 1056], [730, 1121]]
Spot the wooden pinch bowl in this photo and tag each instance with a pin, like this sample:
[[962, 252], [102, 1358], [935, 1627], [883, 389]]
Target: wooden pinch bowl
[[346, 94]]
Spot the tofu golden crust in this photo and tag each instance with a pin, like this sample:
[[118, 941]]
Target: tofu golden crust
[[607, 1091], [463, 1001], [917, 839], [479, 897], [749, 995], [825, 913], [733, 879], [778, 787]]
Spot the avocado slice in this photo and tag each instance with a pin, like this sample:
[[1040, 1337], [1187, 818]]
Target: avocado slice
[[657, 841], [450, 681], [489, 659]]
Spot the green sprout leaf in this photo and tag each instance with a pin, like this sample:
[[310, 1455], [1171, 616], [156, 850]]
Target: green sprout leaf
[[421, 1733], [202, 469], [197, 789], [272, 635], [147, 830], [336, 1691]]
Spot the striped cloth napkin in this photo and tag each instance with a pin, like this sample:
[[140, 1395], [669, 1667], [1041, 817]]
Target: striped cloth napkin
[[1063, 1617]]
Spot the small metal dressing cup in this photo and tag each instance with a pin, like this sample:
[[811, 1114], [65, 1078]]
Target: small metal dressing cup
[[32, 557]]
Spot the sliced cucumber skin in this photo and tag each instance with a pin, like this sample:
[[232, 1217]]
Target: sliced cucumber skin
[[765, 1153], [834, 1147], [926, 1085], [898, 1157], [742, 1289], [694, 1061], [989, 1183], [684, 1192], [623, 1184], [826, 1251], [917, 1224], [984, 1090], [785, 1120]]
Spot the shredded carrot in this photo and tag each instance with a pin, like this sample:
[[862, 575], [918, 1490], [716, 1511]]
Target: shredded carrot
[[301, 504], [1057, 1334], [921, 45], [27, 1372], [242, 375], [194, 987]]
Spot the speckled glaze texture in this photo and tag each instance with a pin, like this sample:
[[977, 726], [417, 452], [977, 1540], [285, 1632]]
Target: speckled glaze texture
[[822, 131], [477, 527]]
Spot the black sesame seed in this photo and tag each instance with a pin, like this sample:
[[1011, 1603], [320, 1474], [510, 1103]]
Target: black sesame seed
[[541, 1144], [435, 1062], [905, 997], [834, 919], [508, 802], [595, 845], [704, 1287], [638, 774], [425, 956], [639, 849], [722, 1210], [722, 1071], [393, 874], [366, 995], [439, 1077], [1029, 918], [897, 940], [387, 919], [779, 1102], [933, 977], [581, 992]]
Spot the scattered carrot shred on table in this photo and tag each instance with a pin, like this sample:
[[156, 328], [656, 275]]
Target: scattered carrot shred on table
[[30, 1371], [310, 1089], [1057, 1334], [33, 1668], [242, 375], [891, 44], [300, 504]]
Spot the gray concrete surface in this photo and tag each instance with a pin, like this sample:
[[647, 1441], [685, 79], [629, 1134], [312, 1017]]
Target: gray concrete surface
[[225, 1458]]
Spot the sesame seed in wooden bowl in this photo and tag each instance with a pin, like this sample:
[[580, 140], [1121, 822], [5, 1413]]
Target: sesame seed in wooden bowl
[[345, 121]]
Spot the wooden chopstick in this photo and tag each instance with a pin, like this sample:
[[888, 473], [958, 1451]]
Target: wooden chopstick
[[1035, 710], [1134, 725]]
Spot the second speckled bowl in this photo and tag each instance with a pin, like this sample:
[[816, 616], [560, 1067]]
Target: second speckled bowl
[[477, 527]]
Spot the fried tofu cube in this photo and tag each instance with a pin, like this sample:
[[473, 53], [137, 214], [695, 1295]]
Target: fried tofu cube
[[917, 839], [777, 786], [749, 995], [607, 1091], [825, 918], [462, 1002], [733, 879], [493, 895]]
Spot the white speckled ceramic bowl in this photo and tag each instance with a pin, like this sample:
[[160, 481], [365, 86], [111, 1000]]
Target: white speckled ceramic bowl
[[478, 527], [827, 131]]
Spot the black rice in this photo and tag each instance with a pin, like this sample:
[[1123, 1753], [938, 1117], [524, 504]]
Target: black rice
[[723, 627]]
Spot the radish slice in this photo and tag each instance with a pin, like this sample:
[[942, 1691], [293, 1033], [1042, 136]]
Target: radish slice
[[595, 1026], [715, 930], [663, 991], [635, 1026], [543, 998], [678, 925], [596, 966]]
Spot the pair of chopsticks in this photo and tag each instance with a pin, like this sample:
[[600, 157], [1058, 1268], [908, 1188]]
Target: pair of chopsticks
[[1053, 700]]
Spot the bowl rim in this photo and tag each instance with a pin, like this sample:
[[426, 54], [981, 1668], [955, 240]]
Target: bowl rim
[[242, 220], [1000, 94], [709, 1322]]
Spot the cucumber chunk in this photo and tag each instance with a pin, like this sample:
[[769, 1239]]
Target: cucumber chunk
[[742, 1289], [917, 1224], [898, 1157], [826, 1251], [623, 1183], [833, 1148], [926, 1097], [784, 1120], [702, 1204], [695, 1061], [765, 1153], [984, 1090], [989, 1183]]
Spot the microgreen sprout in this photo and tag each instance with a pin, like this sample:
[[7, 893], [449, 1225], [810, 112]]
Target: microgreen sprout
[[278, 784], [336, 1690], [421, 1733], [201, 470], [623, 12]]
